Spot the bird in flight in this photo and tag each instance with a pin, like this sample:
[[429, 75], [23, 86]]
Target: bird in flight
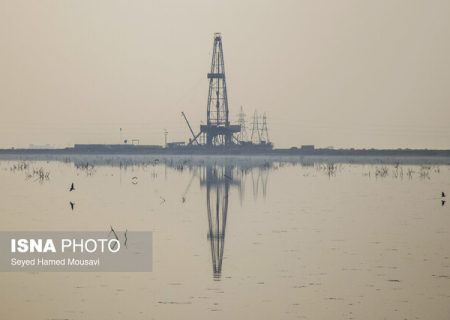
[[72, 187], [72, 205], [442, 194]]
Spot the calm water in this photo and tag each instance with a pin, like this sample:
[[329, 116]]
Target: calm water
[[238, 239]]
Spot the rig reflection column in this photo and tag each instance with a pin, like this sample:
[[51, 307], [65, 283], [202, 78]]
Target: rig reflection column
[[217, 180]]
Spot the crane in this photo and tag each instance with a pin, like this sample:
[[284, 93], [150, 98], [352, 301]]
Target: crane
[[190, 129]]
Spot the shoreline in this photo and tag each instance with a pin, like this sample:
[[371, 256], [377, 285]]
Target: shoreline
[[186, 151]]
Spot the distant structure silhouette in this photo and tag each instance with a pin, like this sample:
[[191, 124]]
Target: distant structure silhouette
[[218, 131], [256, 132], [260, 131], [242, 136]]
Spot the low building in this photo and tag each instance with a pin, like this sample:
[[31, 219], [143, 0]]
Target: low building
[[308, 147]]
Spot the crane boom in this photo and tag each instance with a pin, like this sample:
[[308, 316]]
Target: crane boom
[[190, 128]]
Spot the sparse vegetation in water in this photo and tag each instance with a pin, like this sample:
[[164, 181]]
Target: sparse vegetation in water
[[397, 172], [34, 174], [40, 175], [381, 172], [410, 173], [328, 168], [20, 166], [424, 172], [86, 167]]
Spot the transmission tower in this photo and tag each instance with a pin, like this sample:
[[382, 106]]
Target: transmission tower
[[218, 130], [241, 121], [264, 131], [256, 133]]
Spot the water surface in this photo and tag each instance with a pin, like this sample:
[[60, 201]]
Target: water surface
[[238, 238]]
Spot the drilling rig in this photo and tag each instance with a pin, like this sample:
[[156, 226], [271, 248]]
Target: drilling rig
[[218, 131]]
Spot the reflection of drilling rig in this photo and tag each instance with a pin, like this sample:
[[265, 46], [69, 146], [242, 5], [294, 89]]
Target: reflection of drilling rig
[[218, 180]]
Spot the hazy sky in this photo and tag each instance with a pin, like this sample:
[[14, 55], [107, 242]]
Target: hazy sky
[[330, 73]]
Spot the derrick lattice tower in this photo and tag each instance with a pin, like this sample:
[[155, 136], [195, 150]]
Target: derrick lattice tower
[[218, 130]]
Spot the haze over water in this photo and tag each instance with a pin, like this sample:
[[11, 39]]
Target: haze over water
[[348, 74], [274, 238]]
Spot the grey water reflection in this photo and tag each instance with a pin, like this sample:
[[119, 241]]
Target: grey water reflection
[[217, 181]]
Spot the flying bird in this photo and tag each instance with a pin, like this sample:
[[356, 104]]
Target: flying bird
[[72, 205], [443, 202], [72, 187], [442, 194]]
